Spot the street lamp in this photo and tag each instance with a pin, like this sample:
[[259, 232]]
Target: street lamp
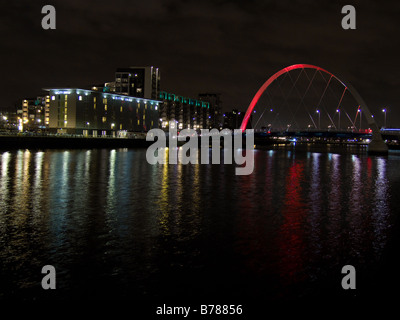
[[319, 119], [384, 111], [338, 111]]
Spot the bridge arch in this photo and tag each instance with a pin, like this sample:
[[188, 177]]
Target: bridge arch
[[376, 145]]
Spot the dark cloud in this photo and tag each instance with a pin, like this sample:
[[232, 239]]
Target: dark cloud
[[224, 46]]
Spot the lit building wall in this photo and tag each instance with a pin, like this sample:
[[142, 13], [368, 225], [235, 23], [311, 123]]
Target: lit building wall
[[141, 82], [93, 112], [34, 113], [187, 113]]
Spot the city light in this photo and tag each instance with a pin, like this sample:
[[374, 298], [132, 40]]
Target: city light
[[319, 119], [384, 111], [63, 92]]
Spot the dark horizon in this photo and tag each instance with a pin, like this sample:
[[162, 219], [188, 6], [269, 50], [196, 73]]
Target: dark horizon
[[212, 46]]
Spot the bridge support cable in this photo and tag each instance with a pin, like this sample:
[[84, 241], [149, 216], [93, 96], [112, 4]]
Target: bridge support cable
[[304, 95], [323, 94], [290, 91], [338, 106], [345, 88], [315, 90], [352, 122], [355, 118], [302, 98], [271, 106], [276, 118], [312, 119], [272, 100], [260, 118]]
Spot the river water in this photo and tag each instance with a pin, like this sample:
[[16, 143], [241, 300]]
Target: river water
[[116, 227]]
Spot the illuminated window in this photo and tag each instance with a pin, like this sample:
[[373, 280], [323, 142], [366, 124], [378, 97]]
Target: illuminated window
[[53, 98], [94, 99], [120, 126], [80, 98], [121, 109], [104, 119], [66, 97], [105, 107], [138, 122]]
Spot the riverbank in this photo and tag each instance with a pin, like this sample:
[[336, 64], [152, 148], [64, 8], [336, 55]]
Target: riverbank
[[12, 142]]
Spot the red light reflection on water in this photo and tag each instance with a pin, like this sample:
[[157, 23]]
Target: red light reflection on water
[[291, 233]]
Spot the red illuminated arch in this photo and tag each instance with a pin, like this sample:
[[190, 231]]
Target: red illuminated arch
[[360, 101]]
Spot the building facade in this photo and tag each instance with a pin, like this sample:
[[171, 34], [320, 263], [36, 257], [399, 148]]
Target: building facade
[[94, 113], [233, 119], [187, 113], [35, 113], [215, 115], [141, 82]]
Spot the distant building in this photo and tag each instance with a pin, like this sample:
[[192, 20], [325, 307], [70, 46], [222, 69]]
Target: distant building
[[132, 102], [233, 119], [187, 113], [34, 113], [215, 115], [91, 112], [8, 121], [141, 82]]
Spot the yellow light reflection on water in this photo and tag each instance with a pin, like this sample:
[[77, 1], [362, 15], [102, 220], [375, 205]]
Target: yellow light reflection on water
[[164, 195], [37, 183], [4, 180]]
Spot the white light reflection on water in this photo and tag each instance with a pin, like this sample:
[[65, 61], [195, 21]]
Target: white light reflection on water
[[381, 210]]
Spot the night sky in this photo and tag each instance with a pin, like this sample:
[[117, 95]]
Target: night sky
[[230, 47]]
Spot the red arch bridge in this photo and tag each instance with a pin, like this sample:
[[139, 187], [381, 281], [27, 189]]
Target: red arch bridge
[[288, 85]]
